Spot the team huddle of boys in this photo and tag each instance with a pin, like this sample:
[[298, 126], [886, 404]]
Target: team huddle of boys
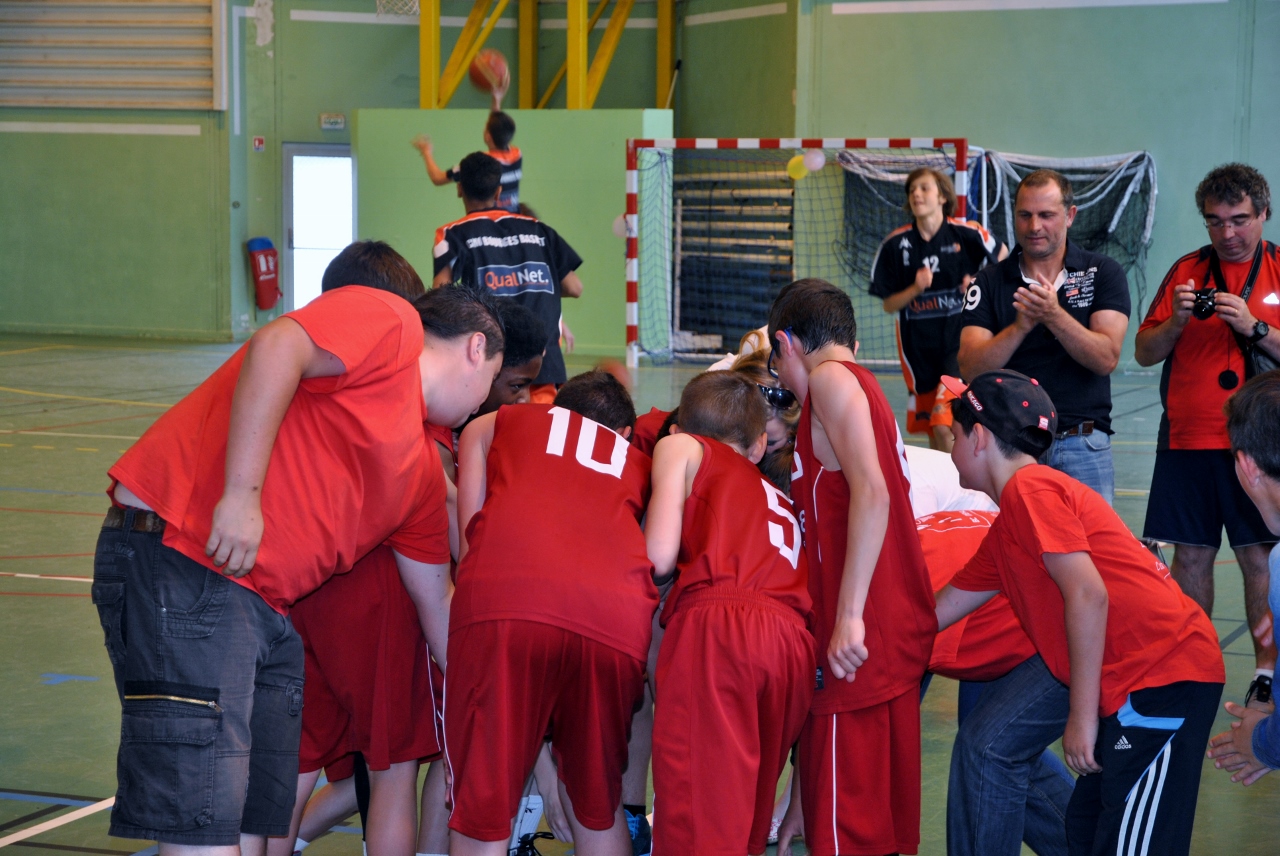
[[808, 626]]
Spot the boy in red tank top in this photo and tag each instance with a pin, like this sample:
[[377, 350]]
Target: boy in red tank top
[[859, 752], [551, 619], [735, 670], [1140, 658]]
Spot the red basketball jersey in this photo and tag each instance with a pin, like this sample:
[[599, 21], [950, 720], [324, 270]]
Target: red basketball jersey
[[558, 540], [741, 531], [899, 614], [989, 642]]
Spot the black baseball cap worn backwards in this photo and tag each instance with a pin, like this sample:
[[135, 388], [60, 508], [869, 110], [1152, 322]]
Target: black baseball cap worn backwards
[[1012, 406]]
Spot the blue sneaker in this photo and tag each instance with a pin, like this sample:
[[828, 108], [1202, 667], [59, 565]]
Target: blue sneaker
[[641, 834]]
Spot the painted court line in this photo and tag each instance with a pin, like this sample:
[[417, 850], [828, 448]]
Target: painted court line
[[58, 821], [49, 511], [47, 576], [64, 434], [41, 594], [60, 395], [11, 489], [46, 797], [33, 350]]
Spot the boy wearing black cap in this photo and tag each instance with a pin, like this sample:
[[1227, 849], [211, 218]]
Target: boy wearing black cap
[[1140, 659]]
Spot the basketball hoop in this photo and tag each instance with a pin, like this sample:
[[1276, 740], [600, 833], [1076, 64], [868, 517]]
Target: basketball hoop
[[398, 8]]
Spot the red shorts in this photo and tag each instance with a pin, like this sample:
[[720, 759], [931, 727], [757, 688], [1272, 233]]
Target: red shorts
[[860, 779], [510, 684], [735, 678], [368, 674]]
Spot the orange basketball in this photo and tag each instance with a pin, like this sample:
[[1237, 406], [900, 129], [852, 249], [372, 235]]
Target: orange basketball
[[489, 70]]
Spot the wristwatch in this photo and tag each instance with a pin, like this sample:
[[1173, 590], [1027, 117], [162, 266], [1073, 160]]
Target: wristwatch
[[1260, 331]]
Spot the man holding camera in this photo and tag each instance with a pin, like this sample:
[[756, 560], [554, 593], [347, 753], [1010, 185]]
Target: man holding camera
[[1215, 317]]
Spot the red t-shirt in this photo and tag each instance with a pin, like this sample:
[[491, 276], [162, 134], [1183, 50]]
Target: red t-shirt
[[900, 616], [350, 467], [444, 435], [1189, 388], [989, 642], [741, 531], [1156, 635], [558, 539], [645, 435]]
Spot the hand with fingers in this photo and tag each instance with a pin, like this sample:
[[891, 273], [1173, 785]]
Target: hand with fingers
[[422, 143], [236, 534], [1234, 312], [1232, 750], [1037, 303], [1078, 742], [792, 826], [848, 649]]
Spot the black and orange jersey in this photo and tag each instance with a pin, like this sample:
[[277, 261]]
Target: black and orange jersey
[[512, 171], [959, 249], [512, 256], [1189, 388]]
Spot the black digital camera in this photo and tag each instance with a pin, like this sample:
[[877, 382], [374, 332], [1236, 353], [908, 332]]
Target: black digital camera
[[1206, 302]]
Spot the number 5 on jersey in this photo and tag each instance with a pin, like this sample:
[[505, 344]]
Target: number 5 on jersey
[[777, 532]]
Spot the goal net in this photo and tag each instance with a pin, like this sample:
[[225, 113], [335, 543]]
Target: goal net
[[717, 227]]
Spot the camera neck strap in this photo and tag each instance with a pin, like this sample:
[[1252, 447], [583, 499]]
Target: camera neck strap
[[1215, 271]]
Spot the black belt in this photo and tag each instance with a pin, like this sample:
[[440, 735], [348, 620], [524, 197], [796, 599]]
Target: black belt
[[1084, 429], [143, 521]]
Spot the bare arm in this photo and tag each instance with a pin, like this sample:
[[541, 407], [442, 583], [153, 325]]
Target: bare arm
[[445, 277], [675, 462], [423, 144], [839, 402], [954, 604], [1155, 344], [431, 590], [570, 285], [1085, 599], [279, 356], [450, 497], [473, 452], [984, 351], [924, 279]]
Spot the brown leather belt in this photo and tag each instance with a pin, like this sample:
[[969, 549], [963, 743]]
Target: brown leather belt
[[143, 521], [1084, 429]]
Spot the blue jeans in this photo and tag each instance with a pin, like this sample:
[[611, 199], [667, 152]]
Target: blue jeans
[[1087, 459], [1004, 788]]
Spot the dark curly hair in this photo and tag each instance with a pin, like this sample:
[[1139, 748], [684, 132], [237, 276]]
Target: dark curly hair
[[1230, 184]]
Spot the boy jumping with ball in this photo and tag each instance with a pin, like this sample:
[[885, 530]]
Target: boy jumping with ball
[[859, 752], [1140, 658], [735, 670]]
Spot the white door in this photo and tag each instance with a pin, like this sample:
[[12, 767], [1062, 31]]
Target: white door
[[319, 215]]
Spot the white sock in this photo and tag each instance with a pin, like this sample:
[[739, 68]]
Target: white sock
[[1270, 673], [527, 818], [299, 844]]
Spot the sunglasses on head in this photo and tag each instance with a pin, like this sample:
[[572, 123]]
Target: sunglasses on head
[[777, 397]]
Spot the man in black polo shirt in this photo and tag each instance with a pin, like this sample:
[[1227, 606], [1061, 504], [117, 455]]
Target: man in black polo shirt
[[1057, 313], [511, 255]]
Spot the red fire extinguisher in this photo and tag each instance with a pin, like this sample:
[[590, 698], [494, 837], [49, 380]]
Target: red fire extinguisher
[[266, 281]]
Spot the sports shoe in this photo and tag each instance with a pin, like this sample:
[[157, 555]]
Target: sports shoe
[[641, 834], [1259, 694], [526, 847], [773, 830]]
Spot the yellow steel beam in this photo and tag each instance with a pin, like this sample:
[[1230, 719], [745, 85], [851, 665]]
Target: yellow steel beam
[[528, 20], [576, 55], [555, 81], [455, 67], [608, 46], [428, 53], [447, 88], [666, 49]]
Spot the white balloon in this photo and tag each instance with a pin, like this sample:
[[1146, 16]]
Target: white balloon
[[815, 159], [620, 226]]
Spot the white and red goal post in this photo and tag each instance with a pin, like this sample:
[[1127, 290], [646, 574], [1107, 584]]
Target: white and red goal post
[[718, 223]]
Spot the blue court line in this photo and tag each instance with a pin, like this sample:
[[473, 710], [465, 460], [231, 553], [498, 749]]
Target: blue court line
[[350, 830], [53, 678], [56, 492], [43, 800], [150, 851]]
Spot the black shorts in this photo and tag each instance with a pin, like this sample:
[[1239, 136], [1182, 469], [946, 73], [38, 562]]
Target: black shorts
[[928, 348], [1151, 752], [1194, 493], [210, 680]]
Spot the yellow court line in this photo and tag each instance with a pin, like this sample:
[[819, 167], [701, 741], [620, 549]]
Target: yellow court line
[[68, 434], [84, 398], [33, 350]]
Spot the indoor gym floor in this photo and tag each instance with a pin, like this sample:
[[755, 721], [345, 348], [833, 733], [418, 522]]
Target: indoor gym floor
[[70, 406]]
